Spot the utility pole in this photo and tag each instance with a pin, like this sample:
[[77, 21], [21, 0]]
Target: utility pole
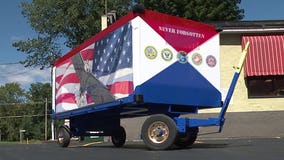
[[53, 102], [105, 7], [45, 120]]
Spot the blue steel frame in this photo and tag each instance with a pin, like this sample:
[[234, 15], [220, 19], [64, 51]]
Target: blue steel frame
[[220, 120]]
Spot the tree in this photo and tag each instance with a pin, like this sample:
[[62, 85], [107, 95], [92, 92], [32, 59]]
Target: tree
[[12, 93], [11, 96], [71, 21], [74, 21], [37, 94], [200, 10], [23, 110]]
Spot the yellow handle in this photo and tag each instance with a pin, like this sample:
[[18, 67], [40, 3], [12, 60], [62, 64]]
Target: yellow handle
[[242, 60]]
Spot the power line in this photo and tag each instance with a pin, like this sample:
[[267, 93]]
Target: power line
[[24, 116], [21, 104], [9, 63]]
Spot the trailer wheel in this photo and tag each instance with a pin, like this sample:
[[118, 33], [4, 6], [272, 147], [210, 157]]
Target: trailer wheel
[[187, 139], [119, 138], [64, 136], [159, 132]]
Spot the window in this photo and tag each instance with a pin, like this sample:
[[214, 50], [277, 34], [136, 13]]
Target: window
[[265, 86]]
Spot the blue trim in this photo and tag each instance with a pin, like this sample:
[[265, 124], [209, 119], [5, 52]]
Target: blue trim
[[180, 84], [204, 122], [183, 122], [229, 95], [87, 110]]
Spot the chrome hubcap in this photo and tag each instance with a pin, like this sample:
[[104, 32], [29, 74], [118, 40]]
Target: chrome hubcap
[[158, 132]]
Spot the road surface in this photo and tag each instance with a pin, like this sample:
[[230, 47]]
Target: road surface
[[222, 149]]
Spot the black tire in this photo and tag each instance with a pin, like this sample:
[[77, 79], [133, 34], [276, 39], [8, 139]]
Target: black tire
[[64, 136], [119, 138], [159, 132], [187, 139]]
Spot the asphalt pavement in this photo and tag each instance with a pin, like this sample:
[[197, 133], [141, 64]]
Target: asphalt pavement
[[233, 149], [250, 135]]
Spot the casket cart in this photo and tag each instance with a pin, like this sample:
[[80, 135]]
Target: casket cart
[[145, 64]]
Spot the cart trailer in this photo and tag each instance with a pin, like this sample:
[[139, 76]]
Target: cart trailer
[[145, 64]]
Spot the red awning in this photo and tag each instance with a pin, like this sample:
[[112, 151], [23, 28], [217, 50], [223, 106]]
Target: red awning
[[265, 55]]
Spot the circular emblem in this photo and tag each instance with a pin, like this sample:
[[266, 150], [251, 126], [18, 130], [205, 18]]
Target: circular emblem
[[167, 54], [150, 52], [196, 59], [211, 61], [182, 57]]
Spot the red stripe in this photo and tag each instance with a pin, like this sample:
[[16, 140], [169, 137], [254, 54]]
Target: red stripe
[[87, 54], [65, 61], [61, 67], [89, 99], [66, 98], [58, 78], [125, 87], [70, 78], [265, 55]]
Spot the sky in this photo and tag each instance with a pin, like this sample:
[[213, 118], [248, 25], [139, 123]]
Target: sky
[[14, 27]]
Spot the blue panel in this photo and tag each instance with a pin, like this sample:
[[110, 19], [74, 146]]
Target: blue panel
[[180, 84]]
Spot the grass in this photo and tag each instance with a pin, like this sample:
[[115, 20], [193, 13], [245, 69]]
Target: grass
[[17, 142]]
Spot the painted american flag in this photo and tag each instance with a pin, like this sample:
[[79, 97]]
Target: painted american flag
[[112, 63], [108, 59], [68, 83]]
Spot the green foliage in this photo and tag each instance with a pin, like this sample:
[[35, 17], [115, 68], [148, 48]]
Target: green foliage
[[23, 110], [12, 93], [39, 91], [58, 21], [200, 10]]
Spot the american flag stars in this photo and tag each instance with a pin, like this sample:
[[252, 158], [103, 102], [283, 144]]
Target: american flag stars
[[113, 52]]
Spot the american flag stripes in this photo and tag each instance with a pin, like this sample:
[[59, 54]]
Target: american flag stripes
[[108, 59], [112, 63]]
